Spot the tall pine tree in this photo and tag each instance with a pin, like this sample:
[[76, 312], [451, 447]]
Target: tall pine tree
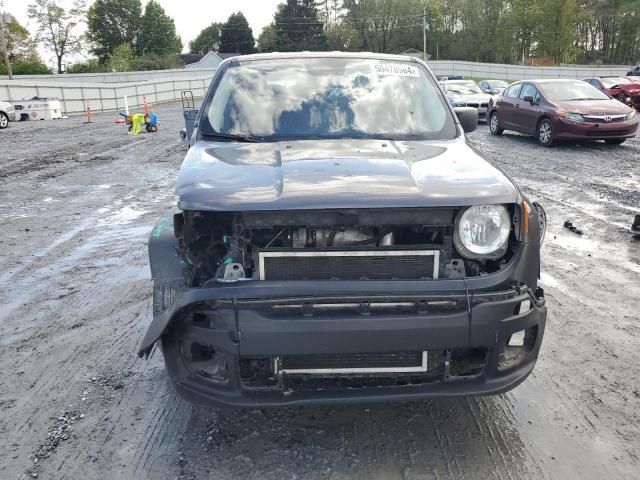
[[237, 36]]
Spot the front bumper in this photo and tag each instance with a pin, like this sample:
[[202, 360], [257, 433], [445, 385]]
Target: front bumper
[[444, 323], [569, 130]]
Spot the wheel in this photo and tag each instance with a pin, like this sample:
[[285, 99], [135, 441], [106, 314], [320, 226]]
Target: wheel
[[544, 133], [4, 120], [494, 124], [615, 141], [183, 134], [148, 127], [154, 128]]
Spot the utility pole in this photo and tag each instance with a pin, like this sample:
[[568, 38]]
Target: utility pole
[[424, 34], [3, 43]]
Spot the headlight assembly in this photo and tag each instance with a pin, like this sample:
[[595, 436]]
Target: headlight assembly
[[482, 232], [574, 117], [631, 114]]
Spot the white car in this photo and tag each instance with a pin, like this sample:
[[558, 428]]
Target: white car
[[7, 114], [467, 93]]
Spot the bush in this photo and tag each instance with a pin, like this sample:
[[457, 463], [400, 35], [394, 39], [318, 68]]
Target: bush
[[24, 67], [90, 66], [156, 62]]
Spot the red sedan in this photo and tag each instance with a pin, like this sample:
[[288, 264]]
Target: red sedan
[[554, 110], [623, 89]]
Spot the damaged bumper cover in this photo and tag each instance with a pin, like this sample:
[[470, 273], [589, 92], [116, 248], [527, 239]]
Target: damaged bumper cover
[[273, 343]]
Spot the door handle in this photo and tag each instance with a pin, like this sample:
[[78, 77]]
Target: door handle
[[517, 105]]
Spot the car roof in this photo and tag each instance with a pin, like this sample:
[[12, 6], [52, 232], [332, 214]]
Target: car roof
[[456, 82], [354, 55], [549, 80]]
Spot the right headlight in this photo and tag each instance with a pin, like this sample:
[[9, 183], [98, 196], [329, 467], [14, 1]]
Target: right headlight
[[574, 117], [482, 231], [631, 114]]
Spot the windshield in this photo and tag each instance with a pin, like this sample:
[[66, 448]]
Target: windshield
[[462, 88], [498, 84], [570, 91], [303, 98]]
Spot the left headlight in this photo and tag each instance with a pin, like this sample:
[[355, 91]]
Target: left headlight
[[482, 231], [631, 114]]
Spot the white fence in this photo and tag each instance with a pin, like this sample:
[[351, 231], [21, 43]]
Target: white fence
[[106, 96], [519, 72], [105, 91]]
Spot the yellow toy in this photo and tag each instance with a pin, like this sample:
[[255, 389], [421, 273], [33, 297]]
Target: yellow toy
[[137, 121]]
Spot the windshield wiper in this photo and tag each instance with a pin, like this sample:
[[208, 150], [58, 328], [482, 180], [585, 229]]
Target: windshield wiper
[[586, 98], [233, 138]]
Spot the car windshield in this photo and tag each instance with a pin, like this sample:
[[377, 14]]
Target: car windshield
[[311, 98], [498, 84], [571, 91], [462, 88]]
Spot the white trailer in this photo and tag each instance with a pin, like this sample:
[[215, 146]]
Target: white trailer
[[38, 109]]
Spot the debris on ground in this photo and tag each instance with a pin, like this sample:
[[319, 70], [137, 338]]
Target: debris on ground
[[60, 432], [570, 226]]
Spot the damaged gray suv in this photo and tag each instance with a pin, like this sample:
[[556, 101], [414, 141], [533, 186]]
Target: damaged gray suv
[[337, 240]]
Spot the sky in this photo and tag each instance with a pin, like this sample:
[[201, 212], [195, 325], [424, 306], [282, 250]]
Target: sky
[[190, 16]]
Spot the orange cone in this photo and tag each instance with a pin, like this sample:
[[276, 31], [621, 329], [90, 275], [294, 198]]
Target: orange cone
[[88, 114]]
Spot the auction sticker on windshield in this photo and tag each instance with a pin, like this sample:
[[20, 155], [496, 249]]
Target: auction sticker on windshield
[[397, 69]]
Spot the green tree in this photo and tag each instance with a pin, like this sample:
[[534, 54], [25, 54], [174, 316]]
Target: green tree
[[237, 36], [297, 26], [20, 45], [121, 59], [112, 23], [157, 32], [207, 40], [57, 26], [267, 41]]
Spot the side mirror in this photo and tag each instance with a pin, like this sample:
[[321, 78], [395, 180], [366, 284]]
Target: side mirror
[[468, 118], [528, 98]]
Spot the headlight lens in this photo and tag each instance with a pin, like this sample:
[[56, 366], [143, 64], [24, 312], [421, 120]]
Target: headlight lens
[[574, 117], [482, 231], [631, 114]]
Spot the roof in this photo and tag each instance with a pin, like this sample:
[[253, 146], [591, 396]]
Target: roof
[[189, 58], [360, 55], [210, 61]]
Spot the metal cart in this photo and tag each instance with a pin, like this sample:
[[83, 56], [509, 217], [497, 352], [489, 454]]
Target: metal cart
[[189, 112]]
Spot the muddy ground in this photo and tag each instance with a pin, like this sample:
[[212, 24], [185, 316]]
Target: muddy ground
[[77, 203]]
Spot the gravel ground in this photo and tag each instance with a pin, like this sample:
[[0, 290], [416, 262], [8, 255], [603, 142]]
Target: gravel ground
[[77, 203]]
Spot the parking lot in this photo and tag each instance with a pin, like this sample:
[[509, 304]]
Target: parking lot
[[77, 204]]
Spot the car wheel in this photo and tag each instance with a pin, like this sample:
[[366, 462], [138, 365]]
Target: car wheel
[[544, 133], [615, 141], [494, 124], [4, 120]]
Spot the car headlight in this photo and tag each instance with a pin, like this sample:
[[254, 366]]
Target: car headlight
[[574, 117], [482, 231], [631, 114], [459, 104]]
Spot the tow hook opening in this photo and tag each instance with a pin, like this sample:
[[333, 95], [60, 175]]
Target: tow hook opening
[[205, 361], [516, 347]]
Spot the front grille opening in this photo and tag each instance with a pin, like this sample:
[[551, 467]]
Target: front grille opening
[[361, 265], [258, 373], [352, 361]]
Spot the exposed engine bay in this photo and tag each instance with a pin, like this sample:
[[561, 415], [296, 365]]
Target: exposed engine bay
[[398, 244]]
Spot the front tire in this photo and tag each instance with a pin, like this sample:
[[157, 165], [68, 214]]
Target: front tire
[[4, 120], [615, 141], [494, 124], [544, 133]]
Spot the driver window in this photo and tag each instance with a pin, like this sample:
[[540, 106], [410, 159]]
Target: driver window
[[528, 90]]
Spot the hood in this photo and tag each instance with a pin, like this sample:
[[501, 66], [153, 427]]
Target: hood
[[630, 87], [594, 107], [472, 98], [226, 176]]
